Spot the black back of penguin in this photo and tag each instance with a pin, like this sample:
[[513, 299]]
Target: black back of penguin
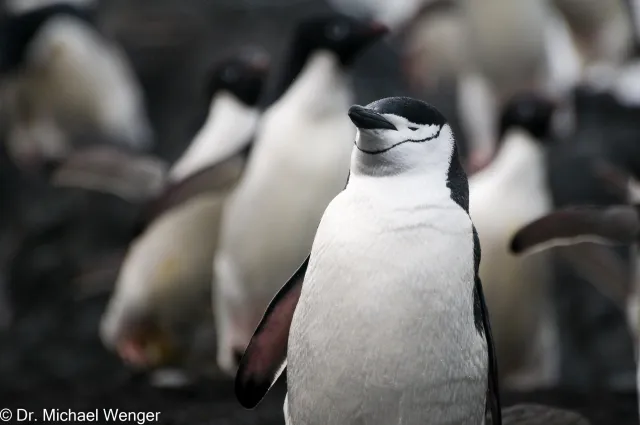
[[241, 75], [530, 112], [340, 34], [18, 31]]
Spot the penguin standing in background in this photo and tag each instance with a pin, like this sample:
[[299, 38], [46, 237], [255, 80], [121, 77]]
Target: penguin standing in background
[[601, 29], [163, 290], [515, 287], [435, 48], [506, 43], [304, 140], [390, 325], [61, 78]]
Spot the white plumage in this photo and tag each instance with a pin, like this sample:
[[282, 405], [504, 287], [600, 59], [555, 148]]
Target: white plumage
[[166, 276], [300, 162], [507, 194]]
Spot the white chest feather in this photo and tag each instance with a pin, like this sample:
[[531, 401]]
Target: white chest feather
[[505, 196], [172, 258], [386, 311], [228, 127], [300, 162]]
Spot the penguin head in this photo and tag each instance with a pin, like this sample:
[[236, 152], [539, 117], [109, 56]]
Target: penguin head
[[243, 76], [401, 133], [530, 112], [343, 35]]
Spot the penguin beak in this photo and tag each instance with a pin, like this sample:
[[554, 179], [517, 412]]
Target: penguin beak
[[366, 119]]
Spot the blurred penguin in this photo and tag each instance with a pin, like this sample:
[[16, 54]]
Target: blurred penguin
[[163, 292], [490, 51], [512, 191], [601, 29], [61, 78], [506, 47], [435, 47], [300, 163], [581, 234]]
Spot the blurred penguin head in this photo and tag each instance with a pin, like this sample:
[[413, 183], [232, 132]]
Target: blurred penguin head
[[345, 36], [530, 112], [242, 75]]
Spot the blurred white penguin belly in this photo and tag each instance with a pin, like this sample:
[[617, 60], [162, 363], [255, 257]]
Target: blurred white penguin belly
[[271, 221], [175, 251], [387, 336], [504, 197]]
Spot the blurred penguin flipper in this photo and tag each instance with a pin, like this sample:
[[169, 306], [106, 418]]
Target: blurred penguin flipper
[[571, 226], [567, 230], [108, 169]]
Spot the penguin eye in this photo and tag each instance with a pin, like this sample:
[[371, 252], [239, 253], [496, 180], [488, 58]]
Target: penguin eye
[[337, 31]]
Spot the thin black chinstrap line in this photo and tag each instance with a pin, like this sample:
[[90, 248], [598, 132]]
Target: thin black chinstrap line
[[399, 143]]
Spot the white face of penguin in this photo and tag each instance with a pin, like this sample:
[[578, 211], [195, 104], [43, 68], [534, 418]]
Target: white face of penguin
[[390, 139]]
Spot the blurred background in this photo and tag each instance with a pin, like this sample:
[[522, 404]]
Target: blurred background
[[61, 247]]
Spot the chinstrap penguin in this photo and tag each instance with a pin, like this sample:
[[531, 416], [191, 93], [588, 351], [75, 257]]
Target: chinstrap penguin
[[304, 140], [507, 194], [390, 324], [164, 287], [63, 79]]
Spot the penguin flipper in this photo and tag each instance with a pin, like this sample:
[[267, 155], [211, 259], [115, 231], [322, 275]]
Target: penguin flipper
[[536, 414], [109, 169], [570, 226], [218, 177], [493, 403], [265, 357]]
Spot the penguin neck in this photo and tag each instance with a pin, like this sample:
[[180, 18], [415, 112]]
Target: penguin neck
[[322, 87], [398, 188], [521, 158], [228, 127]]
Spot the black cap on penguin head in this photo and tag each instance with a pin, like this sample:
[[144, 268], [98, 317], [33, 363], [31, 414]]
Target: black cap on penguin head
[[242, 75], [397, 134], [343, 35], [530, 112]]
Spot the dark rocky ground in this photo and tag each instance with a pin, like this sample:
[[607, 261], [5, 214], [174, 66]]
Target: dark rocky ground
[[50, 355]]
